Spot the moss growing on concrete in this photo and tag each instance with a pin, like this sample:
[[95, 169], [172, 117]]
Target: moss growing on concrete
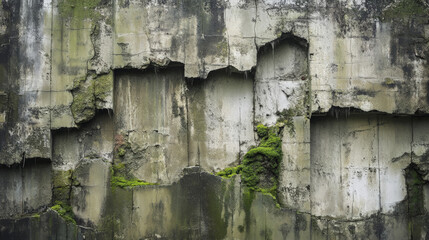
[[260, 170], [230, 172], [121, 152], [122, 146], [83, 105], [262, 130], [65, 211], [118, 178], [89, 94], [62, 182], [103, 88], [119, 181], [260, 167], [248, 197]]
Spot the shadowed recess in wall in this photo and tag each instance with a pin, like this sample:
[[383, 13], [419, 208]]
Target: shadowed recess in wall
[[26, 187]]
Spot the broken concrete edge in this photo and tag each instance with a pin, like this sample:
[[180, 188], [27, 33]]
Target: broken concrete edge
[[25, 161], [340, 111], [88, 91], [88, 94]]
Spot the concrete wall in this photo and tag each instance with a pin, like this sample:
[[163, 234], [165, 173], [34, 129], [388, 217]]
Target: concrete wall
[[151, 112], [156, 87], [26, 188], [220, 119]]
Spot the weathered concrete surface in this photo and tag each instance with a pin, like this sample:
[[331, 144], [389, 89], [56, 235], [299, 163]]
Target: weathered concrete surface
[[150, 112], [345, 167], [25, 188], [281, 80], [90, 190], [368, 55], [25, 115], [61, 61], [360, 166], [94, 140], [361, 54], [200, 206], [220, 119], [295, 180]]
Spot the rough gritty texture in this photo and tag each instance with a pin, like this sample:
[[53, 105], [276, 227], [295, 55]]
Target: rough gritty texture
[[167, 93]]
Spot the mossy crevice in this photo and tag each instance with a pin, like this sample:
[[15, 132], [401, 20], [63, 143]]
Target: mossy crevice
[[122, 146], [83, 105], [260, 167], [285, 118], [65, 211], [103, 88], [62, 183]]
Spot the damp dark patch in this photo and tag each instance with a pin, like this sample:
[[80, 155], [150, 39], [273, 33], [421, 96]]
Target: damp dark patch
[[364, 92]]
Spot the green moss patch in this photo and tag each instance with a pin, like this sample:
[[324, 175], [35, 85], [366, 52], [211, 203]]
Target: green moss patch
[[120, 179], [260, 167], [62, 183], [260, 171], [83, 105], [230, 172], [103, 88], [65, 211]]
